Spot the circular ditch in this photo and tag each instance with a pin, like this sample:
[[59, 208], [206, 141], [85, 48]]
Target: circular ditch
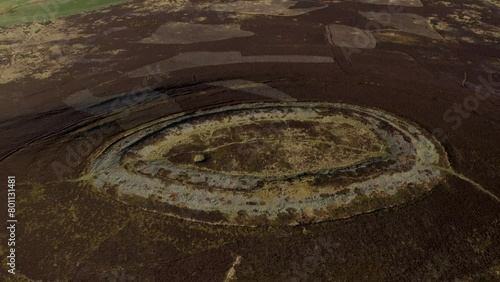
[[271, 163]]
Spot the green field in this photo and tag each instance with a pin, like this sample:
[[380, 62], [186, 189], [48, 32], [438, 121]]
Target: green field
[[25, 11]]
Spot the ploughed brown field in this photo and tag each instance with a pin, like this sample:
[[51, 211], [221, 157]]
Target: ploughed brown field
[[254, 141]]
